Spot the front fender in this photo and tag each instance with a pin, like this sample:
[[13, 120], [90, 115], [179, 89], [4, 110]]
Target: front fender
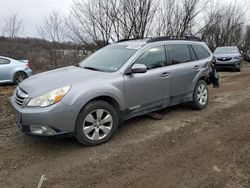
[[77, 98]]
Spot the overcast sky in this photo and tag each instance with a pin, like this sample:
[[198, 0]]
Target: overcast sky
[[32, 12]]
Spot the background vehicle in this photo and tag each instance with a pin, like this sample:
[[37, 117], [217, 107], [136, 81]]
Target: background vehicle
[[228, 57], [116, 83], [13, 71]]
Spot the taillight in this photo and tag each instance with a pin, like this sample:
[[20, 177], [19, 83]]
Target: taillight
[[28, 65]]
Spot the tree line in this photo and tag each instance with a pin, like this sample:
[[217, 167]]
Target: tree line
[[96, 23]]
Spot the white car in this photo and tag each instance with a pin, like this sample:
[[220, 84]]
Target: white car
[[14, 71]]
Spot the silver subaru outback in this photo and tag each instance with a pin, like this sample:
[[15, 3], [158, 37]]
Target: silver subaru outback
[[118, 82]]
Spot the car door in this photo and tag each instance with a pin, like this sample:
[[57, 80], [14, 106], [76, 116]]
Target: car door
[[150, 90], [5, 70], [184, 68]]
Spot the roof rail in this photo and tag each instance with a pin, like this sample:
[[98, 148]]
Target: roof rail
[[157, 39], [124, 40]]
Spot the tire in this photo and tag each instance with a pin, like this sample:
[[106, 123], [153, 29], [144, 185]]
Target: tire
[[100, 121], [200, 95], [19, 77], [237, 68]]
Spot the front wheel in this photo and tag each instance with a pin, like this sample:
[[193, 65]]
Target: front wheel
[[96, 123], [200, 95]]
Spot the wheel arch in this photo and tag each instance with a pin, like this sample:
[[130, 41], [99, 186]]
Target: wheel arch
[[107, 99], [17, 71], [112, 101]]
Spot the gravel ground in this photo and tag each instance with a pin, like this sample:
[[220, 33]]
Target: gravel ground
[[187, 148]]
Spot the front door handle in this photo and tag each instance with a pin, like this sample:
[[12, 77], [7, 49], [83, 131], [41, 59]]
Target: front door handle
[[197, 67], [166, 75]]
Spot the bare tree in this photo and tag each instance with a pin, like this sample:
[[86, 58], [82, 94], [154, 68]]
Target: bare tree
[[135, 17], [177, 17], [90, 22], [247, 38], [12, 26], [101, 22], [224, 25], [53, 28], [107, 21]]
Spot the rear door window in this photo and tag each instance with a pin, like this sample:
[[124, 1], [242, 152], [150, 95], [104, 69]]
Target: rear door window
[[193, 55], [179, 53], [200, 51]]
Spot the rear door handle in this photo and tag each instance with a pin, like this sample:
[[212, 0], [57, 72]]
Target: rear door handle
[[197, 67], [166, 75]]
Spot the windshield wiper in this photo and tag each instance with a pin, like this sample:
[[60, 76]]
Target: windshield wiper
[[92, 68]]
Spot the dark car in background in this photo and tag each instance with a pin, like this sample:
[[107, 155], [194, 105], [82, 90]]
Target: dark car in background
[[228, 57]]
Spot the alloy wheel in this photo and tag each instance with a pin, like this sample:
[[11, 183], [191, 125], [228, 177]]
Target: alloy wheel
[[20, 77], [202, 94], [97, 124]]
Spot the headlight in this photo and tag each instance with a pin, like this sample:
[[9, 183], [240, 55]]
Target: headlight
[[49, 98], [237, 57]]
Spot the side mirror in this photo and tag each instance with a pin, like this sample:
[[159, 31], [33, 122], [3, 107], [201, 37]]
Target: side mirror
[[138, 68]]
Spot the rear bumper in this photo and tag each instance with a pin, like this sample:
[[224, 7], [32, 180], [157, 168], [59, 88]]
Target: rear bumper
[[28, 72], [50, 121], [213, 78]]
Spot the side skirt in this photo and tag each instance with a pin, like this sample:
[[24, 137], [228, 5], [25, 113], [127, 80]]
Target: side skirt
[[155, 106]]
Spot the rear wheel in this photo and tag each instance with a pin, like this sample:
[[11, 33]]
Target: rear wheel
[[96, 123], [200, 95], [19, 77]]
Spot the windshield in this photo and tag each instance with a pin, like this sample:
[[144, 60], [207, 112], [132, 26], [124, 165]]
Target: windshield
[[108, 59], [226, 50]]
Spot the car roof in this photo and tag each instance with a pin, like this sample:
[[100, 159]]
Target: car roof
[[139, 42], [8, 58], [142, 42], [5, 57]]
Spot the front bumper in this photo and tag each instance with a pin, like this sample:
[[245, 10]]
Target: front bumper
[[235, 63], [55, 120]]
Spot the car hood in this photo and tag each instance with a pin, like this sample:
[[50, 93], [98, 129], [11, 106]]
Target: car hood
[[44, 82], [226, 55]]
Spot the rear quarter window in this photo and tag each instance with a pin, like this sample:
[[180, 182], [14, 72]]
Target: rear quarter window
[[201, 52], [4, 61]]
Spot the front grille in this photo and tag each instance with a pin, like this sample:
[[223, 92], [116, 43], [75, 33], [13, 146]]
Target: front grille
[[224, 58], [20, 97]]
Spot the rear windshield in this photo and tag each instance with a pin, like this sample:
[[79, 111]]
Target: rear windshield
[[226, 50], [108, 59]]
